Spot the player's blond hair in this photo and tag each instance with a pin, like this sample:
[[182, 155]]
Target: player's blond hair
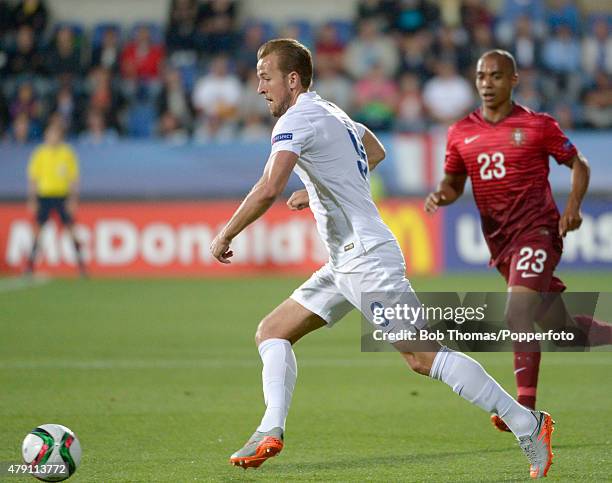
[[292, 57]]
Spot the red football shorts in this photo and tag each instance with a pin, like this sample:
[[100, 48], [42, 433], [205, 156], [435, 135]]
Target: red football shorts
[[532, 264]]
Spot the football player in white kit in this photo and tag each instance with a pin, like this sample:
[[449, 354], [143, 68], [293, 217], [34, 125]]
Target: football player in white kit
[[333, 157]]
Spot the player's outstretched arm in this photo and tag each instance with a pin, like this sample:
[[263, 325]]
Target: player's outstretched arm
[[571, 219], [260, 198], [450, 188], [374, 148]]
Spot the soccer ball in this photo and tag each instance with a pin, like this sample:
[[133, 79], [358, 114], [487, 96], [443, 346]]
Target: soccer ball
[[52, 452]]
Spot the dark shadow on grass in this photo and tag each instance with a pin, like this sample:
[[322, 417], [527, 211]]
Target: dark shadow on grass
[[290, 470], [391, 460]]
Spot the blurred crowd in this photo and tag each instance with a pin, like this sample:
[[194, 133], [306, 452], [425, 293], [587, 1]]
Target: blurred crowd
[[399, 65]]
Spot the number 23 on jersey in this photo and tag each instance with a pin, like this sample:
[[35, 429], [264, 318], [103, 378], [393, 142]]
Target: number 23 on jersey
[[491, 165]]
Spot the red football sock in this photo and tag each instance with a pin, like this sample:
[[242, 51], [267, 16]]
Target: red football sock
[[598, 333], [526, 369]]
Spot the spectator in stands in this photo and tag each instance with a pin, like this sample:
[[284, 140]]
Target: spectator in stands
[[171, 130], [561, 57], [410, 115], [181, 25], [413, 53], [293, 30], [253, 112], [141, 114], [332, 85], [447, 95], [4, 114], [254, 129], [525, 46], [512, 10], [413, 15], [97, 133], [108, 53], [26, 59], [213, 129], [252, 105], [216, 31], [32, 13], [564, 115], [246, 56], [218, 92], [215, 99], [64, 57], [103, 94], [528, 91], [329, 51], [174, 98], [474, 13], [563, 12], [481, 41], [370, 48], [141, 59], [450, 46], [26, 102], [6, 18], [598, 102], [597, 48], [68, 107], [23, 130], [375, 98], [376, 10]]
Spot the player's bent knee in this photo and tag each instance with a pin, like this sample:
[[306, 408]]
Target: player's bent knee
[[268, 329], [261, 333]]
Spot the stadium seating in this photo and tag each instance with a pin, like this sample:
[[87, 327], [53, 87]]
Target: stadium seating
[[193, 63]]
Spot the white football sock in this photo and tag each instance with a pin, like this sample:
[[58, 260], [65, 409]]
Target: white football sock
[[278, 376], [468, 379]]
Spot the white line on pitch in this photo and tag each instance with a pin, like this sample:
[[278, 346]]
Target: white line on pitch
[[114, 364], [20, 283], [182, 364]]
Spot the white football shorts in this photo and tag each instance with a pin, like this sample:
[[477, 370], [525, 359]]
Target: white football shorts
[[375, 279]]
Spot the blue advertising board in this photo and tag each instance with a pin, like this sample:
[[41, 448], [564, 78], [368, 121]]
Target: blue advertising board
[[590, 247]]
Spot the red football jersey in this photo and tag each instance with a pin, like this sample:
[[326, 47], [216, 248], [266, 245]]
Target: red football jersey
[[508, 166]]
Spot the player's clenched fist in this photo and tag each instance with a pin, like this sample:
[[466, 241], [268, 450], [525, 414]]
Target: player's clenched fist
[[570, 220], [433, 201], [298, 200], [220, 249]]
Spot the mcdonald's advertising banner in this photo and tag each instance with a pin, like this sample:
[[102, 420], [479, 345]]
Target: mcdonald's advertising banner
[[173, 239]]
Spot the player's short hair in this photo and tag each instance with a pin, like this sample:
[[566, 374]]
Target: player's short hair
[[292, 57], [504, 54]]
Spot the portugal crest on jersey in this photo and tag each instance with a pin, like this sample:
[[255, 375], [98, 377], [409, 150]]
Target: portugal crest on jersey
[[518, 137]]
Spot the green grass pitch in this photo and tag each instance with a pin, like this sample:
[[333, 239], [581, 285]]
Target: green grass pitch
[[160, 379]]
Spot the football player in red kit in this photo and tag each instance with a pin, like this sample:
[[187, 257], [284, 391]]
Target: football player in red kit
[[504, 148]]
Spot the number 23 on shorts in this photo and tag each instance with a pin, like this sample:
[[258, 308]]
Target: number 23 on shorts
[[531, 260]]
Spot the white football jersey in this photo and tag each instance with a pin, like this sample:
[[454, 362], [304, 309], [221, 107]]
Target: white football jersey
[[333, 165]]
